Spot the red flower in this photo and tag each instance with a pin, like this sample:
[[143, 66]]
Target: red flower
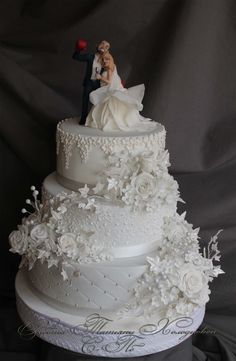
[[81, 44]]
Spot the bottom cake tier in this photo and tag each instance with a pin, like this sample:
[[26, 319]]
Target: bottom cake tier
[[96, 333], [104, 286]]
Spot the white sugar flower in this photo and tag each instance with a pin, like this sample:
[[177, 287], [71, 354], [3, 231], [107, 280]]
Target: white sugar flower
[[67, 245], [43, 254], [62, 209], [191, 280], [145, 185], [39, 233], [155, 265], [52, 262], [19, 240], [199, 261], [148, 162], [184, 308], [55, 216], [214, 272], [84, 191], [163, 161], [112, 183], [90, 204], [175, 229], [81, 205]]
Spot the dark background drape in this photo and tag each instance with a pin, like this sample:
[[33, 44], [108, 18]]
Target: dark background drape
[[184, 51]]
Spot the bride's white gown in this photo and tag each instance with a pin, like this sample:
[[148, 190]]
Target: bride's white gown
[[117, 108]]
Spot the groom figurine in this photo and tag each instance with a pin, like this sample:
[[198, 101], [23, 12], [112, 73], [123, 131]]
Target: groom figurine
[[93, 68]]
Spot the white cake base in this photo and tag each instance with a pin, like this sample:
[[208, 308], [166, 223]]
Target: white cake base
[[96, 334]]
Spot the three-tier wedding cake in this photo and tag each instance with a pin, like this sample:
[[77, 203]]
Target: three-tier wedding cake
[[109, 267]]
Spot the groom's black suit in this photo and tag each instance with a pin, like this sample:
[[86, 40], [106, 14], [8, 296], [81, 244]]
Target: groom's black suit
[[88, 83]]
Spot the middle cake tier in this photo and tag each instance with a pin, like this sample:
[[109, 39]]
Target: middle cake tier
[[115, 227]]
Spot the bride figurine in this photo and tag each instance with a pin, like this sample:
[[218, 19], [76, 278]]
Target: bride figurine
[[115, 107]]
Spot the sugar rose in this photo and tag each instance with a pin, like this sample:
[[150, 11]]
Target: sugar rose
[[19, 240], [39, 232], [190, 280], [145, 185], [67, 244], [176, 231]]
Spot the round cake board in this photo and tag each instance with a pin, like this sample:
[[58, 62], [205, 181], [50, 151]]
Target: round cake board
[[99, 334]]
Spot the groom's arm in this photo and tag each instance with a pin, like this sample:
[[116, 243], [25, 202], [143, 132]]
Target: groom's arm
[[81, 57], [80, 46], [106, 79]]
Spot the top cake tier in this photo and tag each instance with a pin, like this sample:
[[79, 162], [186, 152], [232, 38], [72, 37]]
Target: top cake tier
[[82, 152]]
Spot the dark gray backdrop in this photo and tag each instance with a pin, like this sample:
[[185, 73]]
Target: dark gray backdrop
[[185, 53]]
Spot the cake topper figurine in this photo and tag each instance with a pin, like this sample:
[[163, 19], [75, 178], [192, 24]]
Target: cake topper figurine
[[115, 107], [94, 67]]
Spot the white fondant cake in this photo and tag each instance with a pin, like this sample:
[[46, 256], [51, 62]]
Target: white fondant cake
[[107, 240]]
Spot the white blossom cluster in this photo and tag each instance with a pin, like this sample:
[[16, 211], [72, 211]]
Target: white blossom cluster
[[42, 235], [141, 182], [177, 279]]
